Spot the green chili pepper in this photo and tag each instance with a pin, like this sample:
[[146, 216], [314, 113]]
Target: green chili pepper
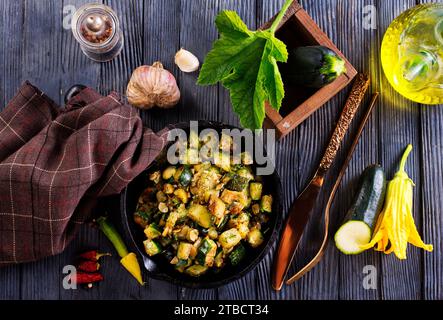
[[129, 259], [112, 234]]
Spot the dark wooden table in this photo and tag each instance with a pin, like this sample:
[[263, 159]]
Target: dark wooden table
[[35, 46]]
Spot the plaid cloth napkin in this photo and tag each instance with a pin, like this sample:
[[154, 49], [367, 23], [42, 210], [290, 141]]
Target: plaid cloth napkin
[[55, 163]]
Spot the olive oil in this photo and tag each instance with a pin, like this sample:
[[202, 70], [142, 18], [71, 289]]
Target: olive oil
[[412, 54]]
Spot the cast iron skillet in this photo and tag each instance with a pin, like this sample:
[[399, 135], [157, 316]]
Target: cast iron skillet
[[157, 266]]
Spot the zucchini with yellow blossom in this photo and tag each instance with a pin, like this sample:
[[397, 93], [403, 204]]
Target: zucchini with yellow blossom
[[395, 227]]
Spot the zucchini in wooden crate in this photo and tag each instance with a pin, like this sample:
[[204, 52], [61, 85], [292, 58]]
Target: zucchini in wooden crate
[[314, 66]]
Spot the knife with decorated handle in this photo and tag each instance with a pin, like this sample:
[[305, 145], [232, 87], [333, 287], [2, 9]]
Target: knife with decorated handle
[[302, 208]]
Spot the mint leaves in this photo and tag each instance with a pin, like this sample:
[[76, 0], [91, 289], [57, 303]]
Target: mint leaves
[[245, 62]]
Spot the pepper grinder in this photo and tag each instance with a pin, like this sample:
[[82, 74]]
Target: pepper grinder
[[97, 29]]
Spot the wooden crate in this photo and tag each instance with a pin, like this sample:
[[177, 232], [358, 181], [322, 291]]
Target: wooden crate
[[298, 29]]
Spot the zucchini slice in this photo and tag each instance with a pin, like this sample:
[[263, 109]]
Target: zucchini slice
[[245, 173], [255, 238], [142, 218], [255, 190], [266, 203], [152, 248], [153, 231], [218, 261], [229, 238], [206, 252], [237, 254], [196, 270], [184, 250], [361, 218], [201, 215], [237, 183], [351, 236], [183, 175], [168, 173]]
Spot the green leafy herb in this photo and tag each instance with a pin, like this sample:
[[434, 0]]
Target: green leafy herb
[[245, 62]]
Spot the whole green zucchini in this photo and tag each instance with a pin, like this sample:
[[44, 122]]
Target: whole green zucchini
[[361, 218], [314, 66]]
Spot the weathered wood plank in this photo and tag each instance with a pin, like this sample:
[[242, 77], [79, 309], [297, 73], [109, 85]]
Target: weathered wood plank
[[78, 69], [115, 76], [399, 125], [244, 288], [363, 49], [432, 202], [322, 282], [286, 166], [10, 67], [41, 64], [197, 32], [161, 39]]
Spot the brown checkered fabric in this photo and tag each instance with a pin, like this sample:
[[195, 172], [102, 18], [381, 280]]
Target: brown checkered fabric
[[55, 163]]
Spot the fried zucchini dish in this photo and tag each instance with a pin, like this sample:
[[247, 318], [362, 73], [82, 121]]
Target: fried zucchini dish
[[204, 216]]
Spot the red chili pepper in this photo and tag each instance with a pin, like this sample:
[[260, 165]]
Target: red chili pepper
[[87, 278], [93, 255], [88, 266]]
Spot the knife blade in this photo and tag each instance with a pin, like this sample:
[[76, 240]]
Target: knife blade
[[294, 229], [302, 208]]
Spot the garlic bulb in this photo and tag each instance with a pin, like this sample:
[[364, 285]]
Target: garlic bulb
[[152, 86], [186, 61]]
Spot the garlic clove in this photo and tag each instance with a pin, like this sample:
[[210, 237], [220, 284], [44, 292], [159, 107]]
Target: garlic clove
[[186, 61]]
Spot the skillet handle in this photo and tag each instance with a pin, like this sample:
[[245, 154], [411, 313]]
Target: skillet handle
[[73, 91], [150, 265]]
